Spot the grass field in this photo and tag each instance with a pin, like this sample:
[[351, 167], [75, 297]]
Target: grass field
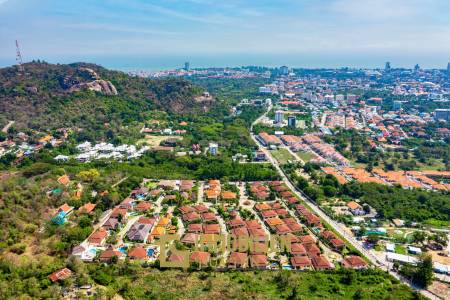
[[282, 156], [305, 156], [155, 140]]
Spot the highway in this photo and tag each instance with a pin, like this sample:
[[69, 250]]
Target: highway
[[337, 227]]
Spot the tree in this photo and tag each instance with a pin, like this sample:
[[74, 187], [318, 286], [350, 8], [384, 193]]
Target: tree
[[89, 175], [423, 275], [440, 238], [419, 236], [329, 191]]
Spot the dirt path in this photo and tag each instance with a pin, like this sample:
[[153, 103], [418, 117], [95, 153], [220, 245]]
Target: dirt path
[[7, 126]]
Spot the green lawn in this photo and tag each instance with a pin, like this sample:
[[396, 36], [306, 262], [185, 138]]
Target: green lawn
[[305, 156], [438, 223], [282, 156], [400, 249]]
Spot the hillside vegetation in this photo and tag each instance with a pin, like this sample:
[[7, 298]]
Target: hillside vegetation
[[87, 96]]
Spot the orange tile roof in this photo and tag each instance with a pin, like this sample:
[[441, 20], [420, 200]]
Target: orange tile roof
[[229, 195], [87, 208], [60, 275], [65, 208], [64, 180], [274, 221]]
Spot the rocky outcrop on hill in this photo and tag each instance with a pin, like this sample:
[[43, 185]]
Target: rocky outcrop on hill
[[101, 86]]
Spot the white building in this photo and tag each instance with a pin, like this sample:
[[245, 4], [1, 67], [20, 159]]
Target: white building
[[404, 259], [390, 247], [213, 148], [61, 158], [278, 117]]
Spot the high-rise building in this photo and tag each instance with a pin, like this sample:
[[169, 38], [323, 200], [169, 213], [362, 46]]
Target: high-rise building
[[213, 148], [186, 66], [442, 114], [292, 121], [387, 66], [284, 70], [278, 116], [448, 67], [397, 105], [416, 68]]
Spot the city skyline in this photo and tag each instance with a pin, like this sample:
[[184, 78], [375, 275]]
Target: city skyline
[[126, 34]]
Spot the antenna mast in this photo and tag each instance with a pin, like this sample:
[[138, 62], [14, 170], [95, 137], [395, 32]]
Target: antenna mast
[[19, 57]]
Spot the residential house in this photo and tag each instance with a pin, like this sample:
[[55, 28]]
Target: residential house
[[237, 260], [111, 224], [64, 180], [337, 244], [65, 208], [60, 275], [259, 261], [228, 196], [98, 238], [195, 228], [143, 206], [354, 262], [200, 257], [301, 263], [321, 263], [120, 214], [190, 239], [138, 253], [139, 232], [298, 249], [355, 208], [88, 208], [108, 255], [211, 228]]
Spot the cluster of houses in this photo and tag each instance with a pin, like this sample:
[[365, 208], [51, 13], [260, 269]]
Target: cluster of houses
[[407, 179], [313, 143], [307, 143], [21, 147], [198, 219], [258, 191], [137, 223], [213, 192], [101, 151]]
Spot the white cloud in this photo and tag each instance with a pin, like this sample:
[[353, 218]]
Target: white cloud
[[118, 28]]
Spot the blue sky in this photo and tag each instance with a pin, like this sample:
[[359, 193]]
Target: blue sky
[[294, 32]]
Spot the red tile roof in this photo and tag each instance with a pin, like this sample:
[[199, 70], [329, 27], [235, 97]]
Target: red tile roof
[[298, 249], [138, 252], [211, 228], [320, 263], [258, 260], [60, 275], [301, 262], [353, 261], [238, 259], [200, 257]]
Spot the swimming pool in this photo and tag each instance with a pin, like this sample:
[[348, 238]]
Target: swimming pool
[[123, 250], [150, 252], [287, 267]]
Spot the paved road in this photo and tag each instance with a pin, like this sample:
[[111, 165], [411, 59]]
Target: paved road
[[201, 186], [337, 227]]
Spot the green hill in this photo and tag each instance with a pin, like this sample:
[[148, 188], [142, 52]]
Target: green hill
[[47, 96]]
